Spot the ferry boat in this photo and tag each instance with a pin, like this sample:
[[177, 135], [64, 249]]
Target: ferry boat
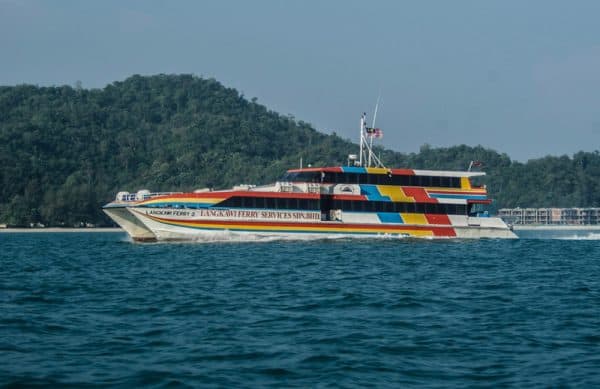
[[363, 199]]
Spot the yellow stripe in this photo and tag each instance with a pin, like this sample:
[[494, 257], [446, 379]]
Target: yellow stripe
[[307, 229], [377, 170], [395, 193], [465, 183], [414, 218]]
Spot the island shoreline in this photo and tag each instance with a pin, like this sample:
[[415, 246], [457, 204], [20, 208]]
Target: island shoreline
[[59, 229]]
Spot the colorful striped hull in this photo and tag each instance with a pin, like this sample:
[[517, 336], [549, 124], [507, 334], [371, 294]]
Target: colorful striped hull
[[311, 228], [171, 228]]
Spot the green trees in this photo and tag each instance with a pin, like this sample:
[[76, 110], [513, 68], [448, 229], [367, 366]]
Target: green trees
[[64, 152]]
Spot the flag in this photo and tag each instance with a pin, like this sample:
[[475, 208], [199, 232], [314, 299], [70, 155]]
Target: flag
[[475, 164], [374, 132]]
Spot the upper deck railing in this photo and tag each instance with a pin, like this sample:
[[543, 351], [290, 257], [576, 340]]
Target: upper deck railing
[[134, 197]]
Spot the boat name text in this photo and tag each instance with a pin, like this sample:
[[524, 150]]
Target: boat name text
[[238, 214]]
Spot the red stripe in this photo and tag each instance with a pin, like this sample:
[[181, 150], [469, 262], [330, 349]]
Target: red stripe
[[403, 172], [349, 197], [443, 231], [400, 172], [284, 195], [437, 219], [193, 195], [437, 231], [419, 194], [488, 201], [231, 193], [458, 192]]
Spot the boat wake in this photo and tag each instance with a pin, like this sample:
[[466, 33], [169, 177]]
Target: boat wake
[[545, 235], [589, 236], [232, 237]]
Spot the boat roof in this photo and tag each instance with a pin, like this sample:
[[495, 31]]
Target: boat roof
[[380, 170]]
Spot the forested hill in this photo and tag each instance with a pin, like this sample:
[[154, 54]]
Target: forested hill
[[65, 151]]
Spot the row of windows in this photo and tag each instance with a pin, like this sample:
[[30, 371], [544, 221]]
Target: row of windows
[[388, 206], [345, 205], [372, 179], [270, 203]]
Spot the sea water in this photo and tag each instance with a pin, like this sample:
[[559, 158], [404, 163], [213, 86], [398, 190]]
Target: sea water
[[89, 309]]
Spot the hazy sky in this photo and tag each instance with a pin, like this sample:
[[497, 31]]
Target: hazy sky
[[522, 77]]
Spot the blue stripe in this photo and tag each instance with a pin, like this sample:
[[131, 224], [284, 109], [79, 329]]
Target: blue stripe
[[372, 193], [387, 217], [353, 169]]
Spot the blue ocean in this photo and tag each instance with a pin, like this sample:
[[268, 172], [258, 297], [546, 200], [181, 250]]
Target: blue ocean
[[93, 309]]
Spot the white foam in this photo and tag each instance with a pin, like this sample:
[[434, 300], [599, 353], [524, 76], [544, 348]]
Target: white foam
[[588, 236], [559, 235], [236, 237]]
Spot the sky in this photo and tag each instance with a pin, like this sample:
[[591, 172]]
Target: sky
[[520, 77]]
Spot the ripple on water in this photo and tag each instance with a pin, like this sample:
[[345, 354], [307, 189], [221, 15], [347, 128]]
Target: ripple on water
[[94, 309]]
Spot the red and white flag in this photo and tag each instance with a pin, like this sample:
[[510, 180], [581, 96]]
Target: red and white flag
[[374, 132]]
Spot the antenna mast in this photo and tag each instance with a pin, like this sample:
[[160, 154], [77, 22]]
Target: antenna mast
[[362, 138], [373, 126], [366, 155]]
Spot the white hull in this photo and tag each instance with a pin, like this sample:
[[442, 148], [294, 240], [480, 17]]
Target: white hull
[[137, 230], [484, 233], [174, 234], [491, 228]]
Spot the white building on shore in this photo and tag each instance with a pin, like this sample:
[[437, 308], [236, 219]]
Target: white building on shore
[[550, 216]]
